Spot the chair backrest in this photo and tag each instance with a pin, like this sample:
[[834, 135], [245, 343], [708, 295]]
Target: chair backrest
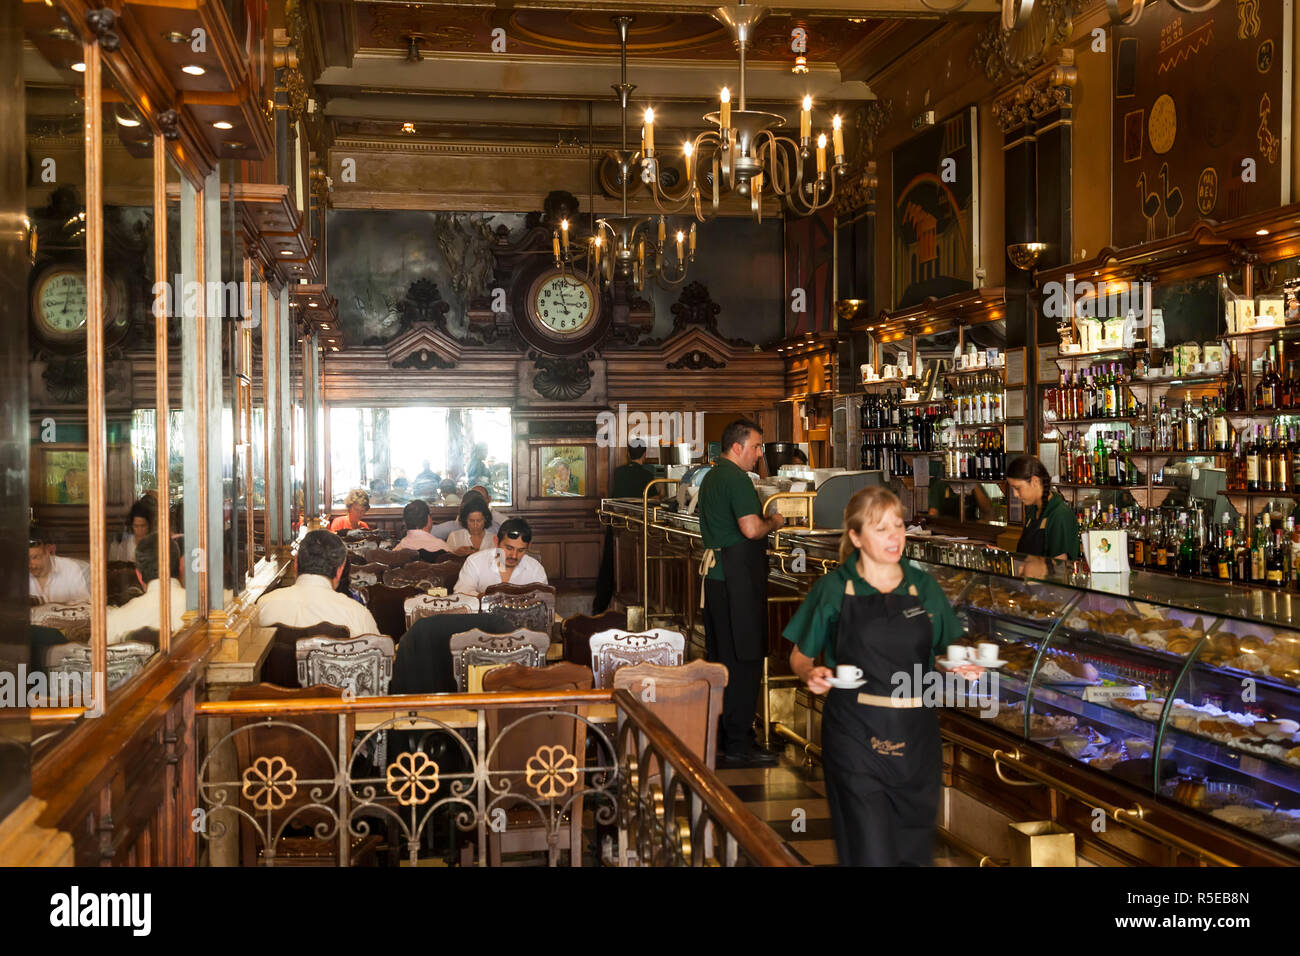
[[424, 574], [280, 666], [427, 605], [391, 559], [477, 646], [387, 604], [577, 631], [73, 620], [523, 743], [526, 605], [362, 664], [125, 660], [613, 649], [364, 575], [687, 699], [260, 751]]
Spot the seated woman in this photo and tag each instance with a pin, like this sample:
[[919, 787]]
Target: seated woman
[[473, 534], [357, 503], [141, 521]]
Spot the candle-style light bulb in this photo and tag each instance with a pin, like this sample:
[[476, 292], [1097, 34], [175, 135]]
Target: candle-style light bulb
[[688, 150], [648, 147], [555, 245], [691, 238], [681, 237], [564, 233], [663, 227], [805, 120], [821, 155], [838, 133], [724, 115]]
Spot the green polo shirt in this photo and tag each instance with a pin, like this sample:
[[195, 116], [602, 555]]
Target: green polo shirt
[[629, 480], [1060, 527], [813, 627], [726, 496]]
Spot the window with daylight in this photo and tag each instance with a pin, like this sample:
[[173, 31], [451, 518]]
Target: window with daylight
[[429, 452]]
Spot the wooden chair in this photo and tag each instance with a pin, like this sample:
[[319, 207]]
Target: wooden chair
[[364, 575], [391, 559], [259, 749], [576, 633], [387, 605], [362, 665], [687, 699], [477, 646], [525, 605], [427, 605], [524, 831], [419, 574], [281, 664], [125, 660], [613, 649]]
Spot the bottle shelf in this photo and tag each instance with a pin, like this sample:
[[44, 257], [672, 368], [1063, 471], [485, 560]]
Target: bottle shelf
[[1291, 495], [1140, 486], [1177, 454], [1120, 420], [984, 370], [1074, 356], [1270, 332]]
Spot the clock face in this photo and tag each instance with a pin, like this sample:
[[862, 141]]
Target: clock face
[[60, 303], [565, 304]]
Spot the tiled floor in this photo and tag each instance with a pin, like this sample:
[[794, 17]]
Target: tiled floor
[[792, 800]]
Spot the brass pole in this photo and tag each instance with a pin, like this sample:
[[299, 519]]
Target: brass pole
[[95, 420], [162, 393]]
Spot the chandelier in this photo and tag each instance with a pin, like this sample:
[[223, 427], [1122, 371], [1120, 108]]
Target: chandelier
[[625, 248], [741, 153]]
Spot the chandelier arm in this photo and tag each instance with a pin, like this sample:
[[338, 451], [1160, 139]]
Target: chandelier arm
[[780, 175]]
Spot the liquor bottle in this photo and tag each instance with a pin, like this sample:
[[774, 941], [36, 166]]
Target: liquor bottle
[[1258, 565], [1281, 470], [1274, 380], [1252, 466], [1189, 426], [1241, 554], [1236, 388], [1108, 394], [1223, 558], [1288, 398], [1266, 387], [1186, 551], [1274, 563], [1160, 544], [1140, 549], [1265, 459], [1293, 460], [1288, 552], [1220, 429]]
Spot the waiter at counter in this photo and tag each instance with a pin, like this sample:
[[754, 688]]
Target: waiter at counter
[[734, 535], [1051, 530]]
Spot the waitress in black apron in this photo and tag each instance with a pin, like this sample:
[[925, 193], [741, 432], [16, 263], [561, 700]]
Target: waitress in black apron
[[1051, 530], [880, 747]]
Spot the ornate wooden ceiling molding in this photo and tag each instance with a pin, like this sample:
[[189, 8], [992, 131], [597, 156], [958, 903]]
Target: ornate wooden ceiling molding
[[474, 150], [1050, 89], [858, 193], [423, 347], [1006, 54]]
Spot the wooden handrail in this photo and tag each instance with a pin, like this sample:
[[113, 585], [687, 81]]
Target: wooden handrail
[[752, 835], [399, 702]]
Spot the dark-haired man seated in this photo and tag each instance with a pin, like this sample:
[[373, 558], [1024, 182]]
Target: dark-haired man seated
[[508, 563], [52, 579], [418, 521], [312, 599], [144, 610]]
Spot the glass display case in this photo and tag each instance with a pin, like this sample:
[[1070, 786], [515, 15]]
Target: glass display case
[[1191, 694]]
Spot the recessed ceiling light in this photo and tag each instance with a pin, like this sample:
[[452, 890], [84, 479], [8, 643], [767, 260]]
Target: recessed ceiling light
[[322, 326], [193, 70], [79, 67], [408, 127], [334, 348], [1261, 232], [222, 124], [122, 120], [62, 33], [175, 36], [235, 144], [286, 252], [313, 305]]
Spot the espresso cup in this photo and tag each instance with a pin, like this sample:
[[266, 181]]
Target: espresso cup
[[847, 672], [957, 652], [986, 652]]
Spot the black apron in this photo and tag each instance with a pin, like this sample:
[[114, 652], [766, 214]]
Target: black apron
[[745, 566], [882, 763], [1033, 540]]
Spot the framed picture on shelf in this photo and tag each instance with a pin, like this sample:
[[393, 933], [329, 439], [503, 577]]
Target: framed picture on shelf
[[62, 474], [562, 470]]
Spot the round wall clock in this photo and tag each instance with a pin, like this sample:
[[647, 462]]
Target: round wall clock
[[59, 307], [562, 313]]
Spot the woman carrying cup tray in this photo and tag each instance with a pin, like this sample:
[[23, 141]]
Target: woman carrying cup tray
[[876, 616]]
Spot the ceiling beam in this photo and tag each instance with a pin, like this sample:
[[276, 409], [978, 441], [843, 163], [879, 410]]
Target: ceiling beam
[[810, 8]]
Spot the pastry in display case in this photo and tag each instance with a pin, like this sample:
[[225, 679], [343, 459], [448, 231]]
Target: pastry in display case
[[1183, 696]]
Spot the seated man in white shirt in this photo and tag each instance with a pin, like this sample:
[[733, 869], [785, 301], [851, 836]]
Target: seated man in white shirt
[[508, 563], [418, 522], [311, 599], [51, 579], [145, 610]]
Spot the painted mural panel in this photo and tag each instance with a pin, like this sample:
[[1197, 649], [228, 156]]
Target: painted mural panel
[[1201, 117], [936, 211], [810, 273]]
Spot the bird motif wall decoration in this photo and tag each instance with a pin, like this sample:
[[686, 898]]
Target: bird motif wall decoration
[[1173, 201], [1150, 206]]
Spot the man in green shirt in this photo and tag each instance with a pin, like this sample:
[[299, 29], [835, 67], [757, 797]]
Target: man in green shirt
[[628, 481], [735, 588]]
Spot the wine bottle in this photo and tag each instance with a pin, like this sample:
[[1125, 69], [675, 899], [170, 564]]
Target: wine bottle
[[1236, 388], [1252, 466]]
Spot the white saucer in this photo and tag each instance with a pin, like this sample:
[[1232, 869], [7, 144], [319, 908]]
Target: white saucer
[[845, 684], [948, 665]]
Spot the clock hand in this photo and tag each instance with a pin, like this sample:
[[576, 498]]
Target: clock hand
[[66, 299], [564, 305]]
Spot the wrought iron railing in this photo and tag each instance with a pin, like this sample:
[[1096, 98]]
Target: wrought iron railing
[[546, 771]]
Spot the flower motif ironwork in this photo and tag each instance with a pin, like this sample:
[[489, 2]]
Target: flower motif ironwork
[[551, 772], [413, 778], [270, 783]]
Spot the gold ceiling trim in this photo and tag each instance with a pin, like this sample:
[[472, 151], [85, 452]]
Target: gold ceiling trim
[[547, 41], [587, 61], [458, 149]]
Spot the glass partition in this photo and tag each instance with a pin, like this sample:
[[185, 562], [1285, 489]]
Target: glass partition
[[428, 452], [179, 266], [59, 540]]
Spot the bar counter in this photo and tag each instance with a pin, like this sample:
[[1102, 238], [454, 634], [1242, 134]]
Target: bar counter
[[1209, 675]]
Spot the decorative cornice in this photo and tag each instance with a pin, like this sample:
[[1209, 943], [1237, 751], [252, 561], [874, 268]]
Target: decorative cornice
[[1008, 54], [859, 192], [696, 362], [1048, 90], [458, 149]]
